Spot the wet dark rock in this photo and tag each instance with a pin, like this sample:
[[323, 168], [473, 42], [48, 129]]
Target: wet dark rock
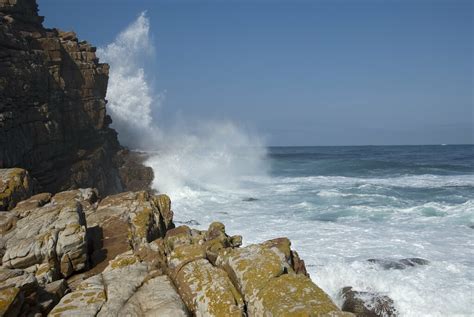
[[134, 176], [367, 304], [401, 264]]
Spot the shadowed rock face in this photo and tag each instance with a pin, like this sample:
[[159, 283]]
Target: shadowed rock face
[[53, 118]]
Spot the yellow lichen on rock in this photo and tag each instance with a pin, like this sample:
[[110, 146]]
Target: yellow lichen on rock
[[123, 260], [251, 267], [15, 185], [208, 291], [163, 202], [10, 301], [142, 221], [291, 295], [184, 254]]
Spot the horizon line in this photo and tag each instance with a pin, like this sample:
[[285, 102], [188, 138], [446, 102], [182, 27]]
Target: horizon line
[[362, 145]]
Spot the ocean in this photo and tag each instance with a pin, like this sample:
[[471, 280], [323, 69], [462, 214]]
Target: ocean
[[341, 206]]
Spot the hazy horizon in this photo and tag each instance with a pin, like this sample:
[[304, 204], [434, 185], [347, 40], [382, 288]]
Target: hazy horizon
[[301, 73]]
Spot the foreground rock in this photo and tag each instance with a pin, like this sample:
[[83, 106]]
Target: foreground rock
[[47, 236], [367, 304], [266, 277], [52, 243], [127, 287], [122, 256], [217, 278], [15, 185], [125, 222]]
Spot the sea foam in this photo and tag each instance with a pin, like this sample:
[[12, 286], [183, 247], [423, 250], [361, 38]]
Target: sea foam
[[336, 222]]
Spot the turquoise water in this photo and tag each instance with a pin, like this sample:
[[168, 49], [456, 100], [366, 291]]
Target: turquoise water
[[341, 206]]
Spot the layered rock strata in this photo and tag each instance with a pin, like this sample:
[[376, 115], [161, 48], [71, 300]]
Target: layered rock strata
[[53, 119]]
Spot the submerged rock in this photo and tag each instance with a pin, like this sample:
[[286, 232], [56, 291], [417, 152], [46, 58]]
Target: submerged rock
[[367, 304], [249, 199], [191, 222], [401, 264]]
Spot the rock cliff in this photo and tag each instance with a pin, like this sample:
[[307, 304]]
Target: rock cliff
[[53, 119]]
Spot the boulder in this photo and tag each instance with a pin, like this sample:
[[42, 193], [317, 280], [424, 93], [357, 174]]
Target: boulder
[[367, 304], [26, 282], [127, 287], [292, 295], [48, 239], [50, 295], [15, 185], [126, 221], [265, 275], [207, 290], [11, 300], [134, 175], [250, 268], [156, 297]]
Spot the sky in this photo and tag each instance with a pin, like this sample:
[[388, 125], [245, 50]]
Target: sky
[[341, 72]]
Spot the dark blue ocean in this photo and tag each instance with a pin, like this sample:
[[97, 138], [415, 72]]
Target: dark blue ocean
[[341, 206]]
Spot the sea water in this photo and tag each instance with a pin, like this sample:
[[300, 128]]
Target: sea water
[[341, 206]]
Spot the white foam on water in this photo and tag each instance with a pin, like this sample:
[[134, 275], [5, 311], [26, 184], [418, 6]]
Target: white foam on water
[[336, 252], [411, 181], [211, 169]]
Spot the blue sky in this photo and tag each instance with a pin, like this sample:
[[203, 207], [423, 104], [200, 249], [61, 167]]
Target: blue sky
[[344, 72]]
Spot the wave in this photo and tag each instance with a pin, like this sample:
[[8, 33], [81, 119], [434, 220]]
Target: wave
[[192, 156], [411, 181]]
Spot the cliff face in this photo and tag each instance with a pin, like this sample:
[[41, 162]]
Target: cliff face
[[53, 118]]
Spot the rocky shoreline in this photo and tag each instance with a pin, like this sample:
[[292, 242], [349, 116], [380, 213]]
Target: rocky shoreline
[[73, 253], [83, 234]]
